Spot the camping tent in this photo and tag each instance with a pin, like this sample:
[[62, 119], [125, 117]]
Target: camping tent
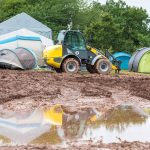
[[23, 20], [140, 61], [33, 43], [124, 58], [19, 58], [25, 32], [8, 59]]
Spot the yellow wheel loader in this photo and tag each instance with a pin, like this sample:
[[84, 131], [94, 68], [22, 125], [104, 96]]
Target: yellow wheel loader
[[71, 51]]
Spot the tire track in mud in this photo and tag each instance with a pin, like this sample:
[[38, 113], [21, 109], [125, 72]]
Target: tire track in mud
[[74, 90]]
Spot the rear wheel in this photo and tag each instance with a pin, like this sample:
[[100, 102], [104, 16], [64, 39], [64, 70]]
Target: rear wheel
[[70, 65], [90, 68], [103, 66]]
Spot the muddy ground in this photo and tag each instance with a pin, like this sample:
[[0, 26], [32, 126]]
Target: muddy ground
[[27, 90]]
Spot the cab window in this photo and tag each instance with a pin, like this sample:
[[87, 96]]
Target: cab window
[[75, 41]]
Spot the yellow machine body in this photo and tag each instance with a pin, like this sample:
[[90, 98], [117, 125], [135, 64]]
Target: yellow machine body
[[51, 53]]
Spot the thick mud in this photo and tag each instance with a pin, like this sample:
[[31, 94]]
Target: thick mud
[[28, 90], [22, 91]]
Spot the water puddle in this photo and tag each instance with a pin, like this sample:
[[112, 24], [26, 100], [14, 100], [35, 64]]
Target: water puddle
[[56, 125]]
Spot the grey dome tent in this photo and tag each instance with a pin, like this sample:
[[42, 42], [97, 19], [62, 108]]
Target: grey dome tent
[[23, 20], [9, 60], [140, 61], [29, 42], [20, 58]]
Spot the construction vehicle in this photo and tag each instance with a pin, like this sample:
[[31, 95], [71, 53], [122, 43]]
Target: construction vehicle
[[71, 51]]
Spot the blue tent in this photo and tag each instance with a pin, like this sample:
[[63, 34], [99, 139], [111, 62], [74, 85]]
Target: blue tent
[[124, 58]]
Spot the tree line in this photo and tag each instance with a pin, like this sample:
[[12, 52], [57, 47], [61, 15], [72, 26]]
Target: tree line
[[114, 26]]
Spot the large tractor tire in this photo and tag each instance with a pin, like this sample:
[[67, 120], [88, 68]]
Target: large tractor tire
[[103, 66], [70, 65], [90, 68]]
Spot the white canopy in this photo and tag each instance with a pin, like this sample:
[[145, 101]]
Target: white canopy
[[23, 20], [25, 32]]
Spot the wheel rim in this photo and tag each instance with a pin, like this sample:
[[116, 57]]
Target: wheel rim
[[71, 66], [104, 67]]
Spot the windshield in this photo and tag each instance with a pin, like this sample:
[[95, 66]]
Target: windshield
[[75, 41]]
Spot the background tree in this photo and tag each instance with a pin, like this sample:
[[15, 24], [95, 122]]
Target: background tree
[[115, 25], [127, 29]]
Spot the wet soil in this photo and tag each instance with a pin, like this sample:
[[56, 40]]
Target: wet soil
[[26, 90], [87, 146]]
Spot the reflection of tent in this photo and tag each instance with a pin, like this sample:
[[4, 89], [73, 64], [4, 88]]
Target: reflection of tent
[[23, 128], [18, 137], [124, 58], [24, 32], [140, 61], [23, 20], [33, 43], [18, 58]]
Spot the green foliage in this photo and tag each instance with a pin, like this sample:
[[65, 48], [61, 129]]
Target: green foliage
[[10, 8], [55, 13], [104, 32], [124, 28], [115, 26]]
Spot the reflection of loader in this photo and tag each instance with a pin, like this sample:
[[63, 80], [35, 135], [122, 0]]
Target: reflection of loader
[[71, 52], [54, 115], [70, 125]]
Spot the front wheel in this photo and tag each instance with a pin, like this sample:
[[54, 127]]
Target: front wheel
[[103, 66], [70, 65]]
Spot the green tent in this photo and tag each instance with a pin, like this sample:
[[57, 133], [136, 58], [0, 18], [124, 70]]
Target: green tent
[[140, 61], [144, 64]]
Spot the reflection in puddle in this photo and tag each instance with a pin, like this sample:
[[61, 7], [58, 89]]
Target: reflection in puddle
[[55, 126], [121, 123]]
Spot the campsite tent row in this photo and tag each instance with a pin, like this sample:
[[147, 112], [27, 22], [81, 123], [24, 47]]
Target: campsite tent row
[[139, 62], [24, 32]]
